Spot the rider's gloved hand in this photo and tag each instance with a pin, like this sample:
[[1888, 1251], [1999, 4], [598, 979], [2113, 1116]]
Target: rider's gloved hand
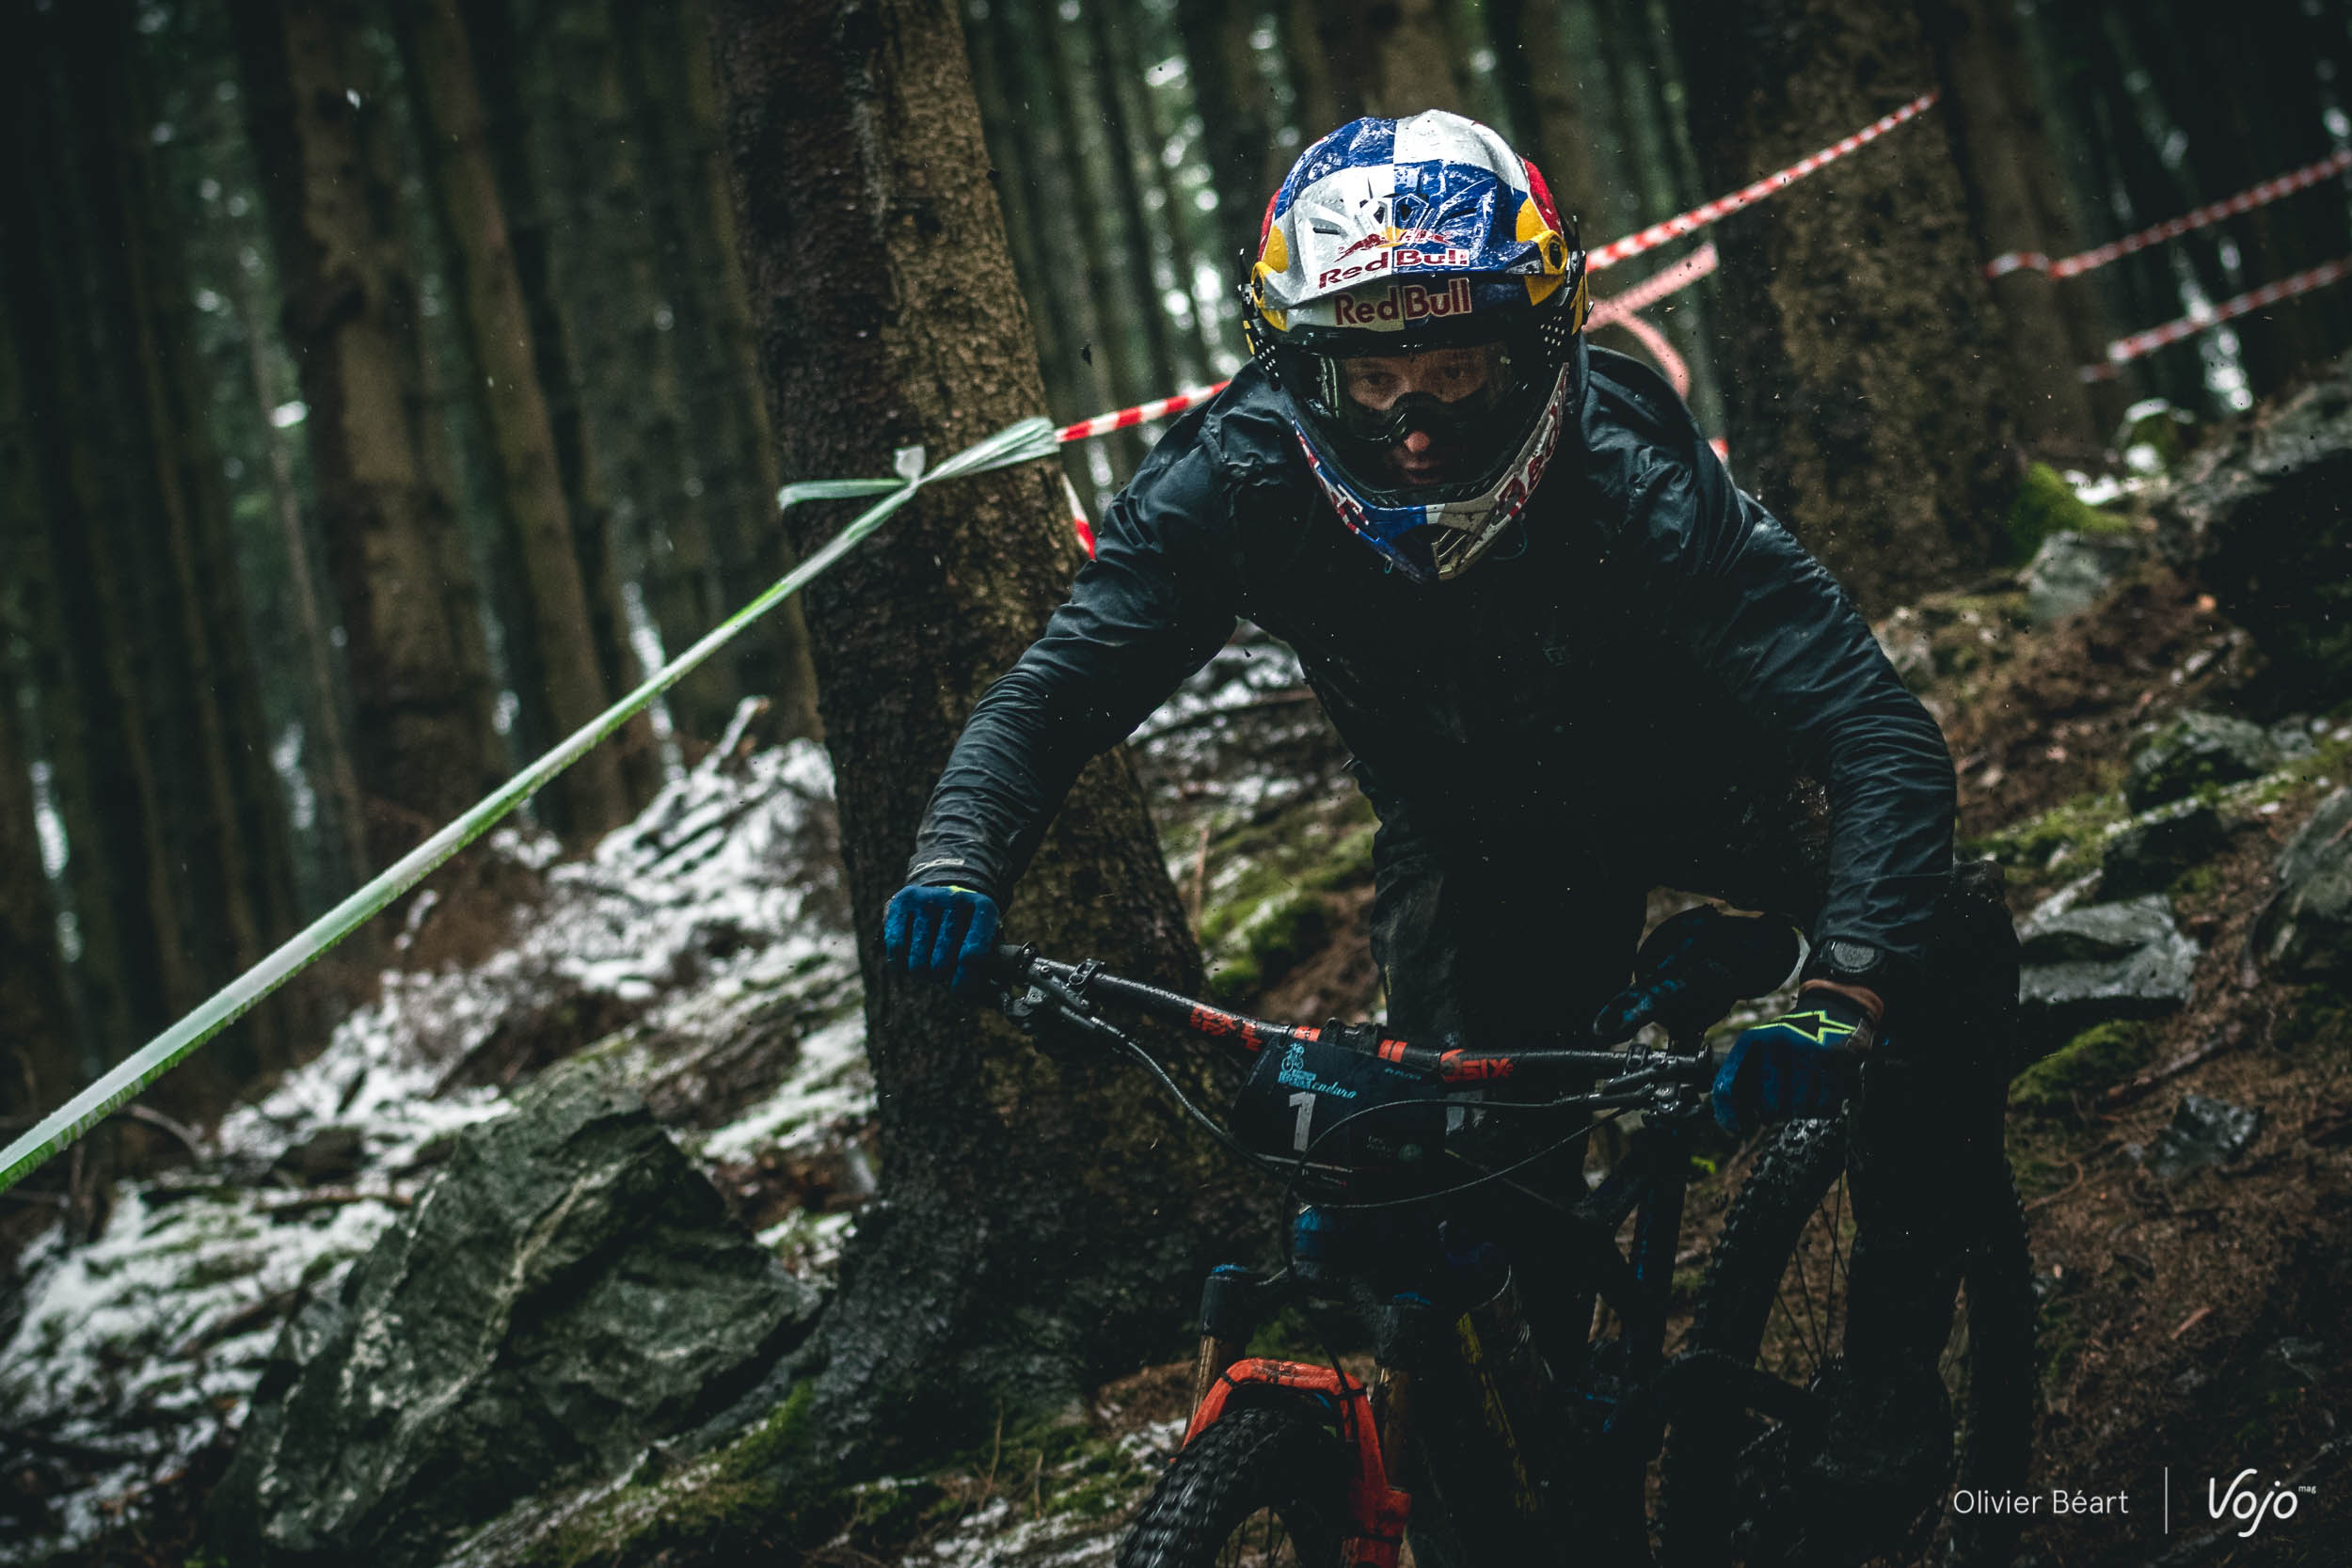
[[943, 934], [1801, 1064], [1693, 967]]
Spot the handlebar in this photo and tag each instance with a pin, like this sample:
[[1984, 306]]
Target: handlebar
[[1069, 991]]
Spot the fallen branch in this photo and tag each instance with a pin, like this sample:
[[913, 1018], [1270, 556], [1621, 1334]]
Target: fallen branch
[[2123, 1094]]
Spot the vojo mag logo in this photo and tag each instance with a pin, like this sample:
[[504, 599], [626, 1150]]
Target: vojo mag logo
[[2246, 1501]]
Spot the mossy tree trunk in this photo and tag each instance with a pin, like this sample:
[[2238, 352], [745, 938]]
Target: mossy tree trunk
[[1862, 354], [1041, 1224]]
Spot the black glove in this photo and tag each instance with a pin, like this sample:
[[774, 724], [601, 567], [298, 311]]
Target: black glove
[[1693, 967]]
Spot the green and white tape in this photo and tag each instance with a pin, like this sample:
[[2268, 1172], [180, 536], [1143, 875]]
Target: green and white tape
[[1025, 442]]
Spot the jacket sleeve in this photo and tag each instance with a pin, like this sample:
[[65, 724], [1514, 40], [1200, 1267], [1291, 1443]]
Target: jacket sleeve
[[1148, 610], [1751, 609]]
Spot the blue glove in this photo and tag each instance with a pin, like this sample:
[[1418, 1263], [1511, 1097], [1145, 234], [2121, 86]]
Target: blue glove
[[941, 934], [1801, 1064]]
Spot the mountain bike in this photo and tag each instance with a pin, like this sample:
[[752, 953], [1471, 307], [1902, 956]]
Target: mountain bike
[[1504, 1426]]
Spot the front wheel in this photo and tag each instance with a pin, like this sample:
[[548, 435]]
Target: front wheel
[[1265, 1486], [1774, 1298]]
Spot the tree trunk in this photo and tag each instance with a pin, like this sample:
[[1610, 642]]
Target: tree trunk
[[597, 151], [496, 51], [1860, 339], [593, 795], [1394, 57], [2245, 97], [1996, 126], [421, 740], [40, 1060], [774, 659], [1111, 85], [1041, 1224], [160, 772], [1548, 106], [1237, 122], [1109, 286]]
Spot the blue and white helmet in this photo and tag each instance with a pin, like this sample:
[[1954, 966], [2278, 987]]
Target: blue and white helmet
[[1397, 237]]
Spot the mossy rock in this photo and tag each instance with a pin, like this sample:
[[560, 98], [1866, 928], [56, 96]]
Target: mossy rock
[[2047, 504], [2073, 831], [2098, 1058]]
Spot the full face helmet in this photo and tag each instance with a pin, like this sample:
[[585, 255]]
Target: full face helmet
[[1415, 298]]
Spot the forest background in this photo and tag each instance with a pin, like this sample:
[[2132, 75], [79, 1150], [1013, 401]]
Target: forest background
[[387, 387]]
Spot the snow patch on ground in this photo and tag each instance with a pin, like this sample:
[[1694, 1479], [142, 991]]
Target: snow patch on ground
[[718, 907]]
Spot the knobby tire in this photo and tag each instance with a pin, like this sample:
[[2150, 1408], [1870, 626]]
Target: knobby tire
[[1792, 1179], [1282, 1457]]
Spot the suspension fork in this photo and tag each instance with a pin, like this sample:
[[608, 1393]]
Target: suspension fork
[[1375, 1423]]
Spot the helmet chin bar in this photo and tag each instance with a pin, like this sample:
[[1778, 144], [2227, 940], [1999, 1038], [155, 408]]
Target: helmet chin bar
[[1422, 538]]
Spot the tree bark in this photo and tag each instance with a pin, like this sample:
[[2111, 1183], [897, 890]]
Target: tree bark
[[1041, 1223], [777, 658], [593, 795], [1860, 340], [1997, 128], [492, 44], [419, 672], [40, 1060]]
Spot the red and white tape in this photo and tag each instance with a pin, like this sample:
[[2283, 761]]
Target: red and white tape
[[1650, 290], [1125, 419], [2172, 228], [2124, 350], [1723, 206]]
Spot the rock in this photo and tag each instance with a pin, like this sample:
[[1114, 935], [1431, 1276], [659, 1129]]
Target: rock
[[2099, 962], [328, 1155], [2199, 749], [2155, 847], [2096, 1060], [2203, 1133], [2305, 932], [2260, 518], [2070, 570], [567, 1292]]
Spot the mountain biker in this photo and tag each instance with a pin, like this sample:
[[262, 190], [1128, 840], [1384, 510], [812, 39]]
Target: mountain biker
[[1573, 664]]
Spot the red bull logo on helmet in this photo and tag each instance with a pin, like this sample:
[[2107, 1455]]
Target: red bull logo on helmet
[[1401, 304]]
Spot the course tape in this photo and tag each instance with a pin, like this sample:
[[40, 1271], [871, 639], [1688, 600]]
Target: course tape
[[1650, 290], [1723, 206], [2125, 350], [1022, 443], [1102, 424], [2172, 228]]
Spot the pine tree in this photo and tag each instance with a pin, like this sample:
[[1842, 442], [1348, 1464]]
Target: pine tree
[[1044, 1221]]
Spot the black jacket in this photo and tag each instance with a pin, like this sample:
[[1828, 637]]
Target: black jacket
[[1650, 624]]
